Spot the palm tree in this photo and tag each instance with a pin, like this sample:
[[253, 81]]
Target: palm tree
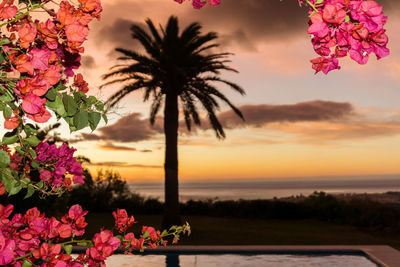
[[178, 71]]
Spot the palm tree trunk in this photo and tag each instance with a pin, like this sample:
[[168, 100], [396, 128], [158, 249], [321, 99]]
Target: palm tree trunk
[[171, 210]]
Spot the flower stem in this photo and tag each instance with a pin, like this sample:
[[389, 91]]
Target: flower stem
[[312, 5]]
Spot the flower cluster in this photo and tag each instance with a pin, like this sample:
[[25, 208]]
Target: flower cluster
[[33, 239], [342, 27], [42, 53], [200, 3], [58, 165]]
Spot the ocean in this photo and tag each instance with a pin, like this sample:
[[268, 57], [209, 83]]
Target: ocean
[[270, 188]]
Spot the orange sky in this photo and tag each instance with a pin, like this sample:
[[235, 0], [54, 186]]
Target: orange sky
[[272, 53]]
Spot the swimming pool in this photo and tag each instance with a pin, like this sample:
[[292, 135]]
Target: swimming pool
[[240, 260]]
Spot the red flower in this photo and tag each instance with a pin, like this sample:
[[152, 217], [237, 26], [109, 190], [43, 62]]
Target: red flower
[[11, 123]]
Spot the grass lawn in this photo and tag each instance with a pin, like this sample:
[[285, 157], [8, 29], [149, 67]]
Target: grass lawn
[[237, 231]]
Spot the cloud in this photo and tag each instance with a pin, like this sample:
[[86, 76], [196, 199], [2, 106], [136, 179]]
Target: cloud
[[112, 147], [130, 128], [259, 115], [118, 33], [134, 128], [88, 62], [238, 21], [122, 165], [321, 132]]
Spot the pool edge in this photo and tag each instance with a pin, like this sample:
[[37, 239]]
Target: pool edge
[[382, 255]]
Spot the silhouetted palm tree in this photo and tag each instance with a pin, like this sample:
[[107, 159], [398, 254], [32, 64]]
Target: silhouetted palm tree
[[177, 68]]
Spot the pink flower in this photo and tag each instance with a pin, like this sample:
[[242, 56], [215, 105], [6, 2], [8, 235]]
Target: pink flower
[[76, 32], [214, 2], [8, 12], [199, 3], [122, 221], [32, 104], [40, 58], [333, 14], [7, 247]]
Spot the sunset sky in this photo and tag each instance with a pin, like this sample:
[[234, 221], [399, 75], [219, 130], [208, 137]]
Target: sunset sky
[[297, 124]]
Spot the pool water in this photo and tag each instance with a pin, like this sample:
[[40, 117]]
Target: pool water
[[237, 260]]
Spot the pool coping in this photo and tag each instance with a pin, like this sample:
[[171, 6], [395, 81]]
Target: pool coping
[[384, 256]]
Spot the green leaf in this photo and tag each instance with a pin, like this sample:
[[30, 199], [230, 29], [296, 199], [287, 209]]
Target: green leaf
[[32, 140], [30, 191], [94, 119], [91, 100], [146, 235], [4, 159], [20, 150], [99, 106], [4, 41], [15, 188], [7, 112], [105, 118], [34, 164], [60, 86], [40, 185], [9, 138], [68, 249], [81, 119], [6, 98], [51, 94], [57, 106], [319, 2], [347, 19], [2, 58], [30, 129], [32, 153], [70, 105], [27, 263]]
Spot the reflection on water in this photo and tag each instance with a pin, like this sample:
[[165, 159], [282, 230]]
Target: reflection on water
[[236, 260]]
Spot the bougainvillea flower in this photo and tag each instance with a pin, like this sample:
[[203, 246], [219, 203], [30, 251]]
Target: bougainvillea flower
[[122, 221], [32, 104], [333, 14], [43, 116], [40, 58], [8, 12], [53, 74], [7, 247], [6, 211], [90, 5], [199, 3], [11, 123], [27, 33], [214, 2], [80, 83], [65, 13], [23, 64], [76, 32]]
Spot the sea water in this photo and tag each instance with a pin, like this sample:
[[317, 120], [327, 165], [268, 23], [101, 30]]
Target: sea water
[[269, 188]]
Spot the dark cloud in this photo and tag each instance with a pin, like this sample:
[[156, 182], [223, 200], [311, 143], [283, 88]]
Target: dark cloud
[[134, 128], [130, 128], [240, 22], [88, 62], [118, 34], [259, 115], [110, 146], [146, 150], [123, 165]]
